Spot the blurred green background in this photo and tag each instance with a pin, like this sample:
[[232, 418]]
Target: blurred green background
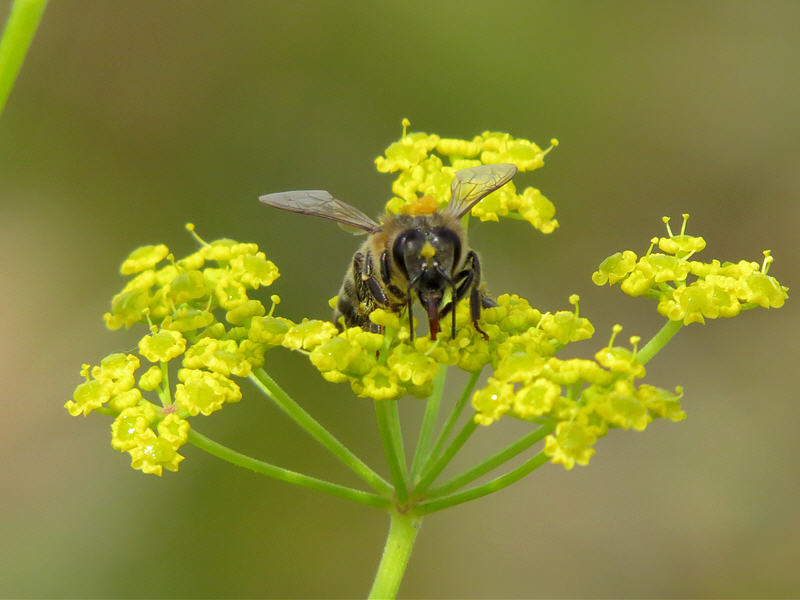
[[129, 119]]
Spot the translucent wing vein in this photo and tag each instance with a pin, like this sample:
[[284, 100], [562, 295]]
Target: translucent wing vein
[[471, 185], [320, 203]]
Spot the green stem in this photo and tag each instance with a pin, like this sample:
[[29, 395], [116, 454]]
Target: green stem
[[318, 432], [386, 411], [397, 436], [491, 463], [422, 451], [452, 418], [20, 28], [388, 338], [658, 341], [164, 389], [482, 490], [429, 476], [403, 531], [248, 462]]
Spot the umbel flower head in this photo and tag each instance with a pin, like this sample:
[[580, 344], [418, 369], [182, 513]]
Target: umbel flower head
[[582, 399], [423, 180], [197, 311], [687, 290], [206, 326]]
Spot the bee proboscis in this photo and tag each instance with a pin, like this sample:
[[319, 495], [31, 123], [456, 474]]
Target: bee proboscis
[[406, 255]]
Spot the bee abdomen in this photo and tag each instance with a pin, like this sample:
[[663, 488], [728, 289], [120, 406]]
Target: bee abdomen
[[344, 308]]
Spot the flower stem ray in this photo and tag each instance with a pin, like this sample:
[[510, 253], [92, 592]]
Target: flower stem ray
[[318, 432]]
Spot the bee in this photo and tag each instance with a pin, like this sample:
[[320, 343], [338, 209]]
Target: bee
[[406, 257]]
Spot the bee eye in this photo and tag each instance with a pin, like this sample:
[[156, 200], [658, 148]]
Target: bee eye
[[406, 244], [449, 237]]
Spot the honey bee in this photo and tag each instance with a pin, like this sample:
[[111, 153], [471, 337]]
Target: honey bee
[[405, 256]]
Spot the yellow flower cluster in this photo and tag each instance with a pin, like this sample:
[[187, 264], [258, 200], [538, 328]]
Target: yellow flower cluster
[[391, 365], [196, 308], [205, 328], [688, 290], [151, 436], [582, 398], [199, 312], [182, 294], [111, 382], [151, 450], [372, 367], [423, 183]]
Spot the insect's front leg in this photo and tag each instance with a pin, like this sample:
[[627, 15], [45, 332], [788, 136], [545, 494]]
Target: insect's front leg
[[464, 280], [475, 299], [460, 284], [469, 279], [399, 297]]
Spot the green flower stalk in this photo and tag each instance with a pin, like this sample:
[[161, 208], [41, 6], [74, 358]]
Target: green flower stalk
[[17, 37], [208, 325]]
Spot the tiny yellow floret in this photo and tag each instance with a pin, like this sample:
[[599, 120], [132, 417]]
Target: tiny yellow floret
[[163, 345], [144, 257]]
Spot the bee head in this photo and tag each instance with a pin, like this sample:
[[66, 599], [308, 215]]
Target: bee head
[[423, 252], [428, 256]]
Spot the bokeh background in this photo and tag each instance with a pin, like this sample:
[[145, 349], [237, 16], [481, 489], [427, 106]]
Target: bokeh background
[[129, 119]]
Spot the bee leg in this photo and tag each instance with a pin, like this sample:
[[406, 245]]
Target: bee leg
[[447, 309], [486, 301], [453, 326], [357, 279], [386, 277], [357, 293], [469, 275], [466, 283], [410, 317], [471, 281], [451, 306], [465, 279], [377, 292], [476, 299], [375, 289], [385, 273], [475, 310]]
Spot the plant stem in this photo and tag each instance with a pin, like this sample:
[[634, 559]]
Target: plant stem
[[495, 461], [248, 462], [392, 447], [429, 422], [658, 341], [318, 432], [164, 389], [397, 436], [490, 487], [403, 531], [22, 23], [429, 476], [452, 418]]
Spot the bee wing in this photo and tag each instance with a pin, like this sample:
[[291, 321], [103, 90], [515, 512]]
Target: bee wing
[[321, 204], [471, 185]]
